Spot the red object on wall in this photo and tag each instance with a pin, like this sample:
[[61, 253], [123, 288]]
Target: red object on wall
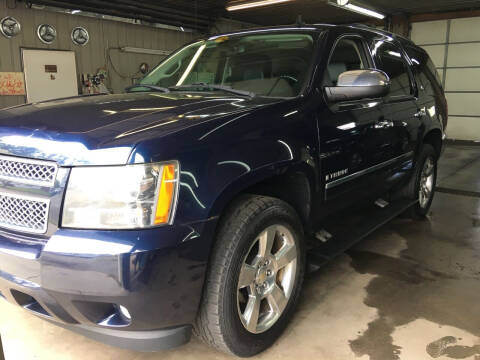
[[12, 83]]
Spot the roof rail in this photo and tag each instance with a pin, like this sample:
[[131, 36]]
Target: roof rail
[[370, 27], [381, 31]]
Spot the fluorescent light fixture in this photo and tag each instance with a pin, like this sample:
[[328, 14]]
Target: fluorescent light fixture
[[73, 12], [364, 11], [252, 4], [130, 49], [347, 5]]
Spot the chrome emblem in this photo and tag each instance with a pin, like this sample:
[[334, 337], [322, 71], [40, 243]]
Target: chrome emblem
[[80, 36], [336, 174], [46, 33], [9, 27]]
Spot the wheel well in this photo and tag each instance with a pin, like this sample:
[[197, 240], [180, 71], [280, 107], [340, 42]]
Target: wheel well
[[434, 138], [293, 187]]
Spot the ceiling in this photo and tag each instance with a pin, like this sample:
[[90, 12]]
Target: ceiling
[[318, 11], [201, 14], [193, 14]]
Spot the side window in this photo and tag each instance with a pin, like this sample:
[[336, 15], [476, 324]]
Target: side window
[[347, 55], [433, 72], [426, 72], [390, 60]]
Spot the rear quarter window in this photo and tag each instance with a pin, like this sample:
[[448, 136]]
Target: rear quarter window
[[428, 74], [433, 71]]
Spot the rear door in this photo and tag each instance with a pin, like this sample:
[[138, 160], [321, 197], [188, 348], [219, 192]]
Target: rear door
[[402, 115]]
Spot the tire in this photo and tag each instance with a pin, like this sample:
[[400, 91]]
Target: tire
[[223, 320], [420, 209]]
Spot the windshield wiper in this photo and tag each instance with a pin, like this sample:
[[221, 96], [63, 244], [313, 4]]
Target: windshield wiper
[[148, 86], [205, 86]]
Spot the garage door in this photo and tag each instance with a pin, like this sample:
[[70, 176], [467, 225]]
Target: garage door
[[454, 46]]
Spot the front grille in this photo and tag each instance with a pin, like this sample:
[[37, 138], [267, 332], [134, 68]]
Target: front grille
[[23, 213], [28, 171]]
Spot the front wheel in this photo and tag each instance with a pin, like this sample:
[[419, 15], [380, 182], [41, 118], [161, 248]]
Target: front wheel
[[254, 278]]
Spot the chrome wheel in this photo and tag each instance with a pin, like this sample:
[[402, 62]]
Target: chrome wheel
[[425, 190], [267, 279]]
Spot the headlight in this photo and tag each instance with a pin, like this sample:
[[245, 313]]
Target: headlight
[[121, 197]]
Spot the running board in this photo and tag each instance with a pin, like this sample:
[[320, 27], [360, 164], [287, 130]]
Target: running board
[[349, 227], [382, 203]]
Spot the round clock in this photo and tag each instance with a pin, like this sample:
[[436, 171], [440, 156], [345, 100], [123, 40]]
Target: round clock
[[9, 27], [46, 33], [80, 36]]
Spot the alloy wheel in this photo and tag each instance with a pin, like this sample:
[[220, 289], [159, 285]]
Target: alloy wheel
[[267, 278], [425, 190]]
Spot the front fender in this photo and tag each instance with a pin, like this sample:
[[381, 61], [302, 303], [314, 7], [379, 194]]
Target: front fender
[[221, 159]]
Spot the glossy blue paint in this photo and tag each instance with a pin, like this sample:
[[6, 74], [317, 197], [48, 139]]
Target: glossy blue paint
[[157, 273], [224, 143]]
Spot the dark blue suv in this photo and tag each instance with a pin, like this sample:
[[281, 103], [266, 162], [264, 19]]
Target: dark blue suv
[[197, 199]]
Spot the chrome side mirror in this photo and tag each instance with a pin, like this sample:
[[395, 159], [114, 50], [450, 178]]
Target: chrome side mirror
[[358, 85]]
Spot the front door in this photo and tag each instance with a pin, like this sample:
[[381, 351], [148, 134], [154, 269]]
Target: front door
[[352, 137]]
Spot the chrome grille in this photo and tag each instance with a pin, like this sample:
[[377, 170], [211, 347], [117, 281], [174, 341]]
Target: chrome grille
[[28, 171], [23, 213]]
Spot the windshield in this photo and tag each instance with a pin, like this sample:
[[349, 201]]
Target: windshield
[[268, 65]]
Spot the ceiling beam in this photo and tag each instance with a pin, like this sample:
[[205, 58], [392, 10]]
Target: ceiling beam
[[166, 10], [188, 23], [130, 9], [444, 15]]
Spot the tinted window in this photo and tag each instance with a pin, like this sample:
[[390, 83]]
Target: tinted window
[[389, 59], [433, 71], [347, 55], [427, 73]]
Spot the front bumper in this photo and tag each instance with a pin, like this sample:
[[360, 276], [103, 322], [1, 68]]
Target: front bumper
[[78, 279]]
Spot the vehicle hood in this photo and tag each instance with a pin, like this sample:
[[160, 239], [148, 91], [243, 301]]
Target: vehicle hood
[[104, 129]]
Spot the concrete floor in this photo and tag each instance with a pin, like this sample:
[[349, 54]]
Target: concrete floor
[[410, 291]]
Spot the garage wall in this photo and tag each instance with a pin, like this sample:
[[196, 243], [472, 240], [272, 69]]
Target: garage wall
[[104, 34], [224, 25], [454, 46]]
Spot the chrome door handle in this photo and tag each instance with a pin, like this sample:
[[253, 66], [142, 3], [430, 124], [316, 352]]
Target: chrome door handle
[[383, 124], [421, 113]]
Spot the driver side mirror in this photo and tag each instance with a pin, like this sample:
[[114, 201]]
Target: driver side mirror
[[358, 85]]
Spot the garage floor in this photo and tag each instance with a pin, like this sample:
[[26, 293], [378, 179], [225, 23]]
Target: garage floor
[[409, 291]]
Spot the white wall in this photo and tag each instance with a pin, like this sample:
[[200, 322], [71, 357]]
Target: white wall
[[454, 46]]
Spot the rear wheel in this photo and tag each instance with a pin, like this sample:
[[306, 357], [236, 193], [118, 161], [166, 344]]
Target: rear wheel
[[423, 182], [254, 278]]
